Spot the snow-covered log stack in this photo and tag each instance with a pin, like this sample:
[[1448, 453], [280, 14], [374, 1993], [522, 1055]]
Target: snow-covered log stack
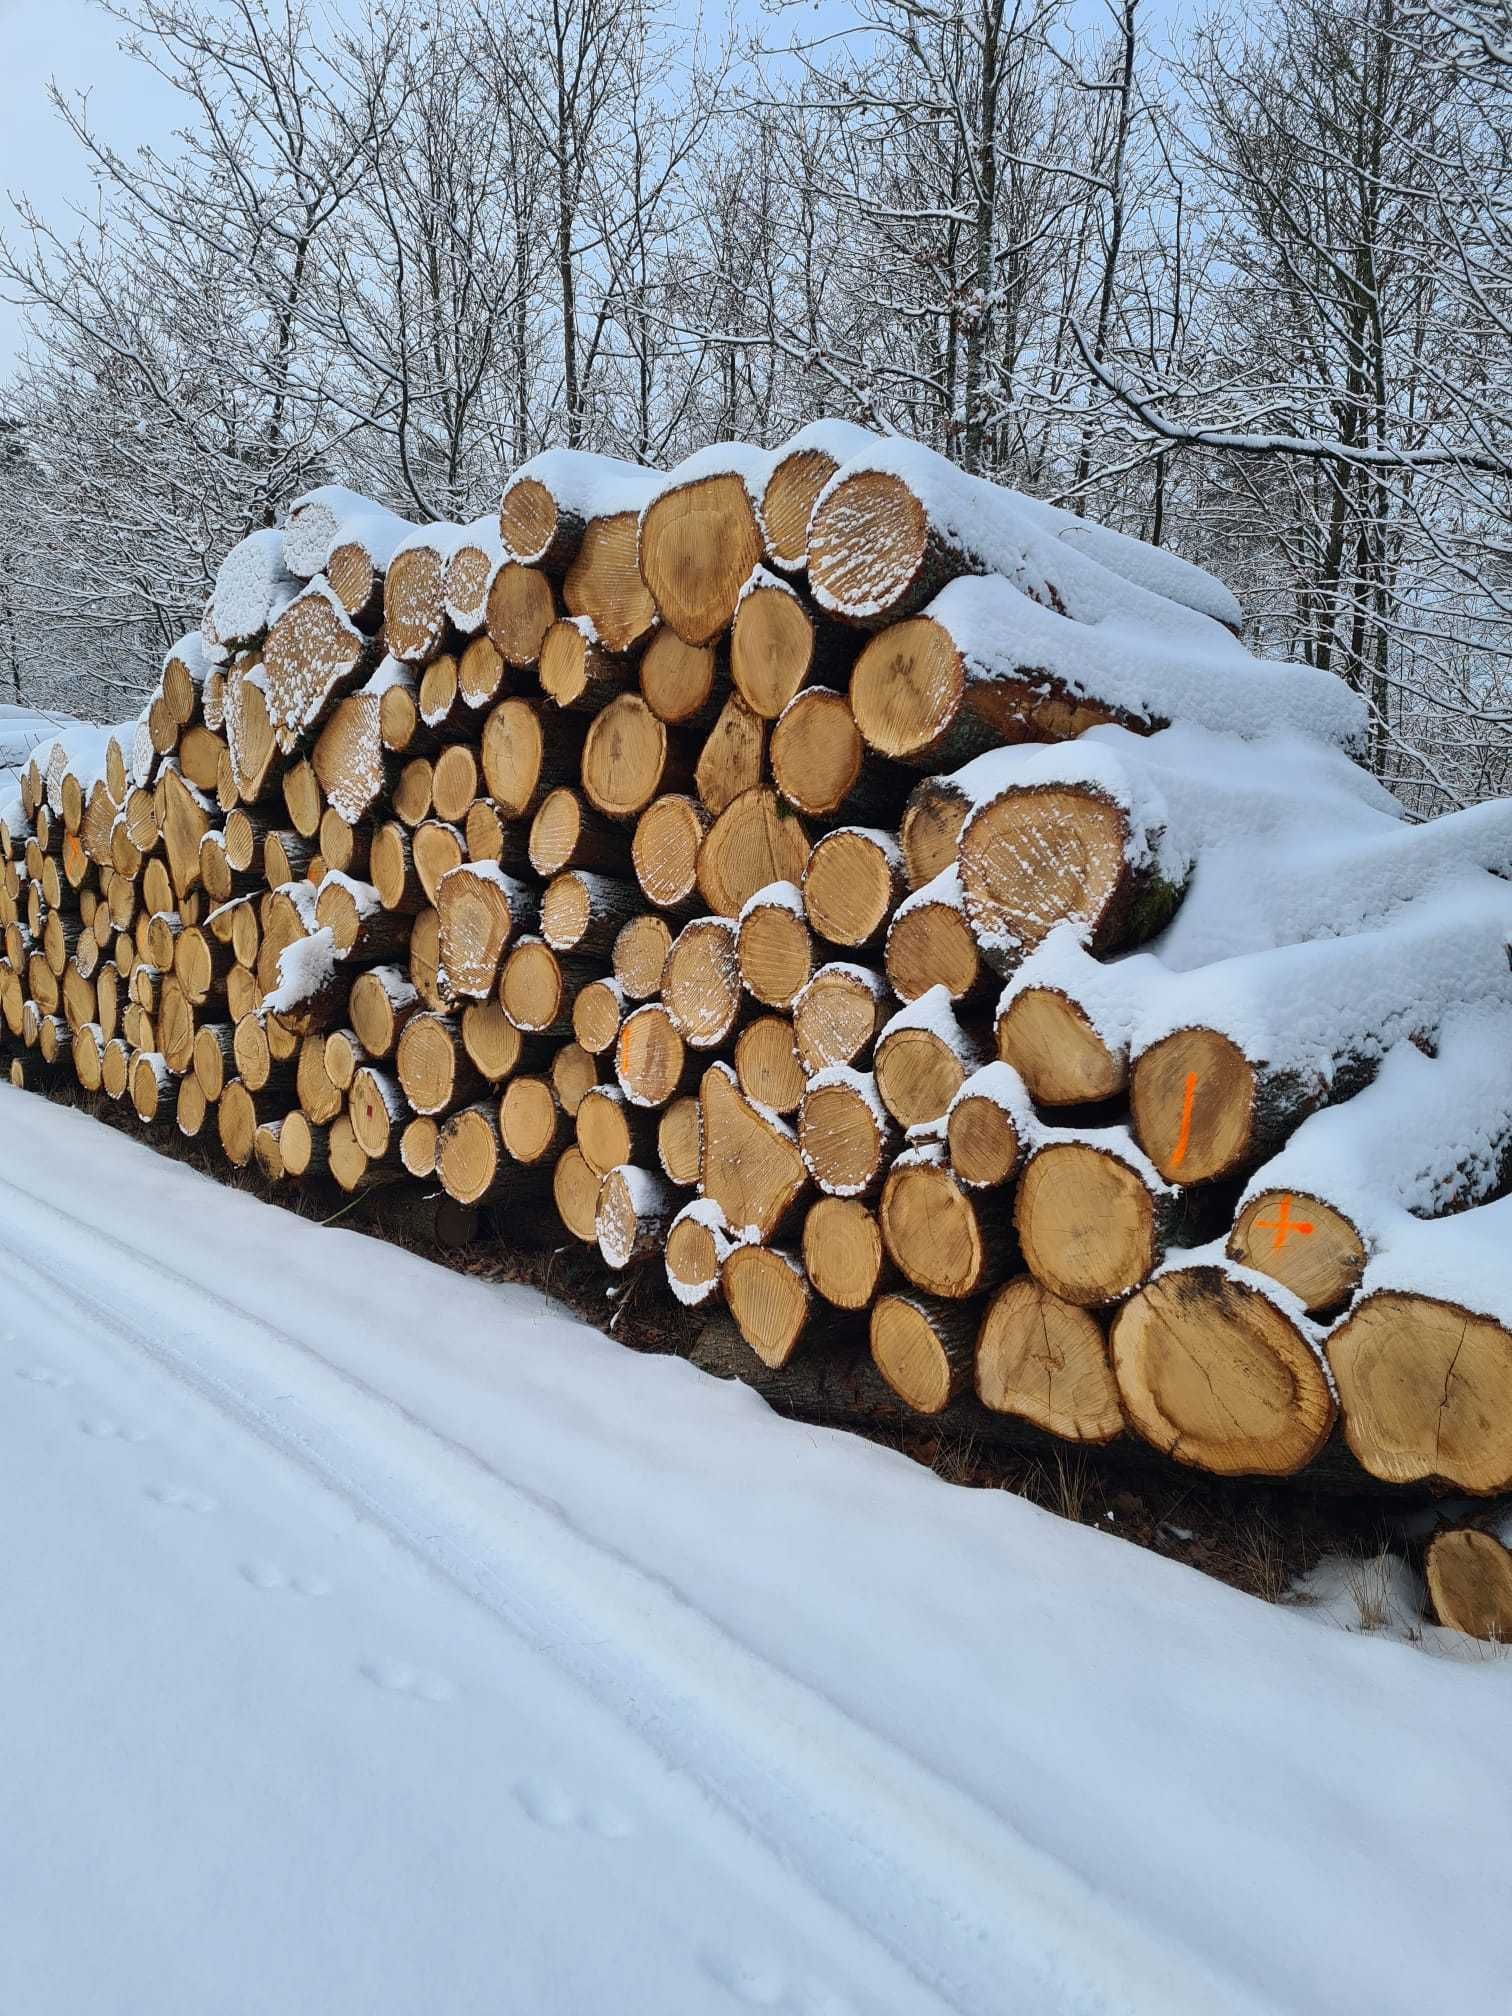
[[896, 908]]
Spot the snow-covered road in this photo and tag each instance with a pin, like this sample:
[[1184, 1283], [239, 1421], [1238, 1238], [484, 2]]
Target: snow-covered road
[[376, 1641]]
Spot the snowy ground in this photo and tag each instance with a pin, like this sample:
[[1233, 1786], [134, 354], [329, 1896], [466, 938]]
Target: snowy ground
[[377, 1641]]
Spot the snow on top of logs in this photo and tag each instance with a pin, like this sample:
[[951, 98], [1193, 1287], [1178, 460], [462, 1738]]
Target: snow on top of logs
[[389, 671], [331, 516], [441, 538], [1115, 1141], [774, 896], [1156, 568], [1111, 770], [1427, 1132], [581, 485], [934, 1012], [1461, 1260], [744, 459], [1125, 661], [252, 588], [1107, 991], [304, 967], [1185, 1259], [191, 653], [1302, 1007], [1001, 1086]]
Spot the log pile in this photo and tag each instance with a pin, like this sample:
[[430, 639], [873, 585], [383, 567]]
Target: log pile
[[902, 913]]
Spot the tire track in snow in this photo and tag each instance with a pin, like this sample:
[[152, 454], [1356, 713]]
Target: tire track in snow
[[859, 1819]]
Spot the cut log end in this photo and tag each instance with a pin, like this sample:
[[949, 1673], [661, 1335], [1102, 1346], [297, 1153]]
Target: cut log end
[[1194, 1097], [699, 544], [1046, 1361], [1214, 1374], [923, 1350], [1469, 1576], [1304, 1244], [1426, 1391], [767, 1293]]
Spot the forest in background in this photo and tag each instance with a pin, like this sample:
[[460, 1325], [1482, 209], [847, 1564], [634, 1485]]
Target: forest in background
[[1245, 291]]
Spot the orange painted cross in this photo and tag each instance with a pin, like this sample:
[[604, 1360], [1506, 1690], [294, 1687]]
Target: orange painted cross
[[1282, 1225]]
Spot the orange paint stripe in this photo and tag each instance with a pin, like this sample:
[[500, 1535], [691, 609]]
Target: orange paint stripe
[[1185, 1135]]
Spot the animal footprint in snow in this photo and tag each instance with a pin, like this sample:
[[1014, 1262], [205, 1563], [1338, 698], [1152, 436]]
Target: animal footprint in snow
[[267, 1575], [43, 1375], [109, 1431], [395, 1677], [181, 1498], [550, 1805]]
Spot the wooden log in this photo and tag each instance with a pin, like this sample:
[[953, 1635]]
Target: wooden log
[[529, 750], [1094, 1218], [88, 1051], [678, 681], [778, 645], [651, 1061], [419, 1145], [214, 1058], [436, 848], [664, 851], [598, 1009], [191, 1108], [482, 911], [574, 1074], [491, 1040], [774, 948], [567, 833], [414, 596], [411, 797], [1469, 1575], [521, 609], [768, 1294], [391, 867], [1227, 1069], [1063, 1021], [313, 653], [585, 913], [930, 943], [574, 1191], [640, 955], [438, 698], [304, 1148], [701, 982], [845, 1134], [923, 1057], [302, 797], [679, 1141], [611, 1131], [629, 757], [820, 763], [803, 467], [316, 1087], [838, 1016], [754, 842], [537, 987], [481, 674], [923, 1349], [843, 1253], [938, 1233], [381, 1001], [732, 756], [990, 1126], [1038, 854], [603, 584], [749, 1161], [700, 541], [377, 1112], [426, 973], [1046, 1361], [1213, 1372], [635, 1207], [434, 1070], [470, 1158], [476, 556], [577, 672], [767, 1066], [531, 1121], [236, 1121], [360, 927], [1423, 1360], [852, 883], [698, 1244], [348, 758]]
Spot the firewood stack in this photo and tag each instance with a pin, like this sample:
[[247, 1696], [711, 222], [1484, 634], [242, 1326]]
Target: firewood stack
[[900, 910]]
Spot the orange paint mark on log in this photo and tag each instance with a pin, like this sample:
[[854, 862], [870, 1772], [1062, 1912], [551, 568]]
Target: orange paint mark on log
[[1282, 1225], [1185, 1134]]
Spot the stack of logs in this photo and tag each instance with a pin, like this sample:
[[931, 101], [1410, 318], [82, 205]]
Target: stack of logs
[[630, 856]]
